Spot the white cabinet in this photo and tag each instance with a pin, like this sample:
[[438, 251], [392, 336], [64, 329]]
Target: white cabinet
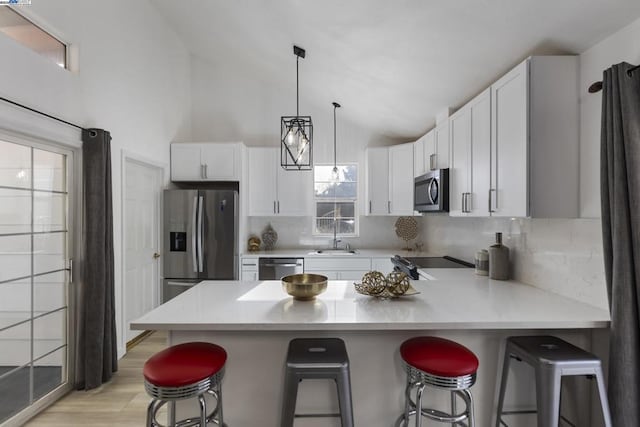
[[206, 161], [382, 264], [377, 181], [274, 191], [401, 179], [249, 268], [470, 141], [419, 165], [535, 140], [436, 147], [390, 180], [338, 268]]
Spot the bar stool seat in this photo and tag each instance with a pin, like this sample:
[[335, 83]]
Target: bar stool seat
[[552, 358], [442, 364], [183, 371], [317, 358], [439, 356]]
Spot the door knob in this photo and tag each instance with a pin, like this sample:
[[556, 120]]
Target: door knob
[[156, 255]]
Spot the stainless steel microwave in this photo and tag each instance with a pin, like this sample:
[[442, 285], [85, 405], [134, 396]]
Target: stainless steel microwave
[[431, 191]]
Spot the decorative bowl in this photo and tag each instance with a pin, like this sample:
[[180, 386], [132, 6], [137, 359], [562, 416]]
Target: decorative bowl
[[304, 287]]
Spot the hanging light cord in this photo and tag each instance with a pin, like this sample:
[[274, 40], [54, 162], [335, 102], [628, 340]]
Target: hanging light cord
[[335, 158], [297, 89]]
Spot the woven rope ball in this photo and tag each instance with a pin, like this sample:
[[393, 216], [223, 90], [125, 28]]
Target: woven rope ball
[[397, 282], [374, 282]]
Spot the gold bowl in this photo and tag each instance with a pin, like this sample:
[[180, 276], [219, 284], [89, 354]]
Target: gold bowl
[[304, 287]]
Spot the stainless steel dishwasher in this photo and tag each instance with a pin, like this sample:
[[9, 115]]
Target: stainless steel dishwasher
[[277, 268]]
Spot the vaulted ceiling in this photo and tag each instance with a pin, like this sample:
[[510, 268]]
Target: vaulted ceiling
[[395, 63]]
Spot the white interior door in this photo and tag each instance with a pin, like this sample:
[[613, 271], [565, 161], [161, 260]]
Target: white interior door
[[141, 228], [35, 224]]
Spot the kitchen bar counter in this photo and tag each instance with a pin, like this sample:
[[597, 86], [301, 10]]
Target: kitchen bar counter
[[460, 300], [254, 322], [310, 252]]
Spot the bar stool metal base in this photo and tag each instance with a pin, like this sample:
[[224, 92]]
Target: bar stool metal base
[[317, 358], [552, 358], [162, 395], [458, 386]]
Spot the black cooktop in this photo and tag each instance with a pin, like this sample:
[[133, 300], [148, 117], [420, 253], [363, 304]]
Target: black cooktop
[[411, 265], [438, 262]]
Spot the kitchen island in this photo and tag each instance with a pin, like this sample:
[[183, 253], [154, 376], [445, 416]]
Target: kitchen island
[[254, 321]]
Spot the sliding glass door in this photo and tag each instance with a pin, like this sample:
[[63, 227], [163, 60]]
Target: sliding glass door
[[34, 280]]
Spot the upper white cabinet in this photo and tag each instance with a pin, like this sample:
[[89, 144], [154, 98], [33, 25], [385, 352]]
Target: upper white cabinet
[[419, 165], [206, 161], [274, 191], [535, 140], [377, 181], [436, 147], [390, 180], [401, 179], [469, 173]]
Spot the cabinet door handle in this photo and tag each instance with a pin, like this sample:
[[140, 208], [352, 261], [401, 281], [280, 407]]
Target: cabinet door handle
[[370, 210], [274, 206], [206, 175], [389, 206], [491, 200], [278, 206], [202, 171], [432, 161], [464, 198], [469, 201]]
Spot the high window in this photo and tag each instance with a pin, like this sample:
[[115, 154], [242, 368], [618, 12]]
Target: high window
[[30, 35], [336, 200]]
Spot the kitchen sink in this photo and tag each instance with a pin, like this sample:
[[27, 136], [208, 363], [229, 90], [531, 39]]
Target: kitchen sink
[[333, 252]]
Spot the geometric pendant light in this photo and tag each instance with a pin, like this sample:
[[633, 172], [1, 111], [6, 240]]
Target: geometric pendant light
[[296, 132]]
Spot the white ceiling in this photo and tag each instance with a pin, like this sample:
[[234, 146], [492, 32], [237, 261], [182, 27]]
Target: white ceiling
[[393, 63]]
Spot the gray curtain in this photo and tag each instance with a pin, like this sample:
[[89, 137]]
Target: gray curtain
[[620, 190], [97, 350]]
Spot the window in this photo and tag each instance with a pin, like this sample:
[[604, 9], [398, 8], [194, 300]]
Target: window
[[335, 207], [30, 35]]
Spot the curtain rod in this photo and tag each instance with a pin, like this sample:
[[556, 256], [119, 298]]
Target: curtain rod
[[41, 113], [597, 86]]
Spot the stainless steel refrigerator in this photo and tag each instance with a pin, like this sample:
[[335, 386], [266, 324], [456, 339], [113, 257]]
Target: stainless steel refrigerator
[[200, 238]]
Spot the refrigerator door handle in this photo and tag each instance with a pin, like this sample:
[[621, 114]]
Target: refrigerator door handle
[[194, 235], [200, 235]]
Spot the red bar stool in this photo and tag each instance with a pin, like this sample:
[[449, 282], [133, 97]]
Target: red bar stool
[[441, 364], [185, 371]]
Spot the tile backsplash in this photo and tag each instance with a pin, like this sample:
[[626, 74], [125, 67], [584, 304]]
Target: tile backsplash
[[563, 256], [295, 232]]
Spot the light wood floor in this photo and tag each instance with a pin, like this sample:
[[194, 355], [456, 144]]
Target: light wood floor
[[121, 402]]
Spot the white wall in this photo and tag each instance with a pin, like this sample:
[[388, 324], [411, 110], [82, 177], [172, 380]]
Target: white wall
[[132, 79], [619, 47]]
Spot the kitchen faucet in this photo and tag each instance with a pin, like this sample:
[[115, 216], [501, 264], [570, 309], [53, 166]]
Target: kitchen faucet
[[335, 232]]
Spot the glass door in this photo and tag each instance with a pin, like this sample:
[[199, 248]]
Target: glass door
[[34, 282]]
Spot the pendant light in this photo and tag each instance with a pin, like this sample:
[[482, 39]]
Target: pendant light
[[335, 175], [296, 132]]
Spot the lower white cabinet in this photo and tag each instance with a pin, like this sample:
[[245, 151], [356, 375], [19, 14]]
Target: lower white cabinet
[[249, 268], [338, 268], [382, 264]]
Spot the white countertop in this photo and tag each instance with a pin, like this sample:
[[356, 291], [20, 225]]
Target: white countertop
[[366, 253], [457, 299]]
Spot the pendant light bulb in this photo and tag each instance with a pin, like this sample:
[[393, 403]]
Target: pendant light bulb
[[335, 174], [291, 137]]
